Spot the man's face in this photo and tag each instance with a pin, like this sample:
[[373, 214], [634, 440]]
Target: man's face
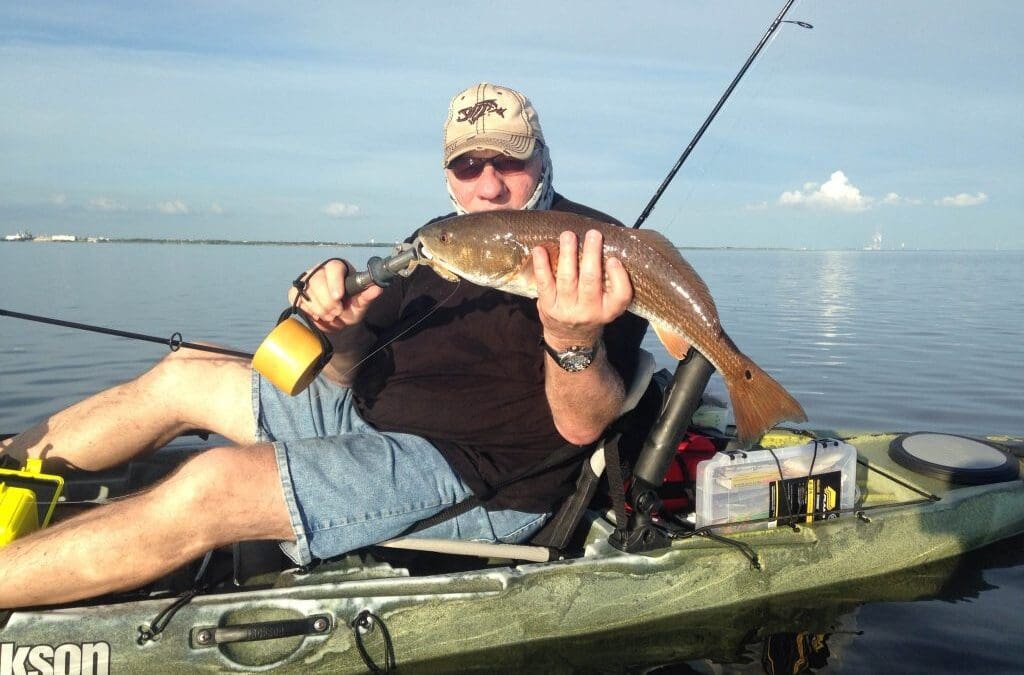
[[496, 186]]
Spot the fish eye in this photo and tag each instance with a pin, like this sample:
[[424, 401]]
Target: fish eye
[[444, 237]]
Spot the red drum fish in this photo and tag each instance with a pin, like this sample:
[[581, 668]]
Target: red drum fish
[[494, 249]]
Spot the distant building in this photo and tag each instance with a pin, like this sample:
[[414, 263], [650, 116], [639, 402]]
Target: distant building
[[24, 235], [876, 243]]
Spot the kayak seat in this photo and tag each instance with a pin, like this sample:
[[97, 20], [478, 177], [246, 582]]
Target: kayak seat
[[557, 533]]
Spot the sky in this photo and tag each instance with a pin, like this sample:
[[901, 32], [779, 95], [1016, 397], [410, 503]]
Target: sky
[[322, 120]]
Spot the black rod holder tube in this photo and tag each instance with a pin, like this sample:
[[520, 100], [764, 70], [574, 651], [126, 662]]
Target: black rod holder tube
[[681, 401]]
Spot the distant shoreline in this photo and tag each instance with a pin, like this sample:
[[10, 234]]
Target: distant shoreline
[[212, 242], [350, 244], [390, 245]]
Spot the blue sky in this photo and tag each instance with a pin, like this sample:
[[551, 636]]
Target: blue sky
[[300, 120]]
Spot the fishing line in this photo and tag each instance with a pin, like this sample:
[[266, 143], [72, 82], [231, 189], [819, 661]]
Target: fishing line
[[458, 282], [756, 92], [779, 20]]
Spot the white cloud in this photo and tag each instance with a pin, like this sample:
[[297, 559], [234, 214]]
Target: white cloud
[[174, 207], [59, 199], [893, 199], [216, 209], [106, 204], [836, 193], [341, 210], [963, 199]]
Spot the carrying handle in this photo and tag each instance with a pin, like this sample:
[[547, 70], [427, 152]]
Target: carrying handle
[[210, 636]]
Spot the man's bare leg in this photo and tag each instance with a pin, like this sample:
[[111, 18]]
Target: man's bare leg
[[185, 390], [218, 497]]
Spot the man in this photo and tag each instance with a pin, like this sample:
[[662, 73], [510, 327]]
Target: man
[[436, 392]]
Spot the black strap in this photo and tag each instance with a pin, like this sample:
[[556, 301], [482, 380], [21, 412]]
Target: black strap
[[616, 481], [560, 457]]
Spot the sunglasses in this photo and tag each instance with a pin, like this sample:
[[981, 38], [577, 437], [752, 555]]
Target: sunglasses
[[466, 167]]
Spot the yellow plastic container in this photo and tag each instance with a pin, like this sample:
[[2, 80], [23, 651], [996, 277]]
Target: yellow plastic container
[[27, 500]]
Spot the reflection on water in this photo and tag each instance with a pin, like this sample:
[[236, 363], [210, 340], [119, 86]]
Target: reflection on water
[[873, 340], [870, 340]]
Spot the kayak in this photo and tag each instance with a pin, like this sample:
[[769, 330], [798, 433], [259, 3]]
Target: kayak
[[244, 610]]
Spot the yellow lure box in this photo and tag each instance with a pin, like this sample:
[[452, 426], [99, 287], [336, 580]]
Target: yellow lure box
[[27, 500]]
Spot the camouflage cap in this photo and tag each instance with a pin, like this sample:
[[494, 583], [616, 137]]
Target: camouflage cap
[[491, 117]]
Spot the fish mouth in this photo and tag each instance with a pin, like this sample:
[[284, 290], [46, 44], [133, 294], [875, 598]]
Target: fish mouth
[[433, 262], [422, 249]]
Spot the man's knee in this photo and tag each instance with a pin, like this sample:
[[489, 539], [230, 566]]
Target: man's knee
[[185, 369], [230, 494], [202, 390]]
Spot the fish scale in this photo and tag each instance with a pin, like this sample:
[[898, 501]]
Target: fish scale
[[494, 249]]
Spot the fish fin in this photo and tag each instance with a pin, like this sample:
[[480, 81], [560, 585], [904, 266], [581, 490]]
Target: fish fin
[[552, 248], [676, 344], [523, 280], [758, 401]]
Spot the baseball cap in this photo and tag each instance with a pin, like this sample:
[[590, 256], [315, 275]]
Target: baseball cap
[[491, 117]]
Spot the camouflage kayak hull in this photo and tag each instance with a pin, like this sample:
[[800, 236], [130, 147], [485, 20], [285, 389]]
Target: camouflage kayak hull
[[467, 614]]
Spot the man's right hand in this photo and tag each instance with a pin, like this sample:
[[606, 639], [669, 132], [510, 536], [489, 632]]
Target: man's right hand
[[328, 305]]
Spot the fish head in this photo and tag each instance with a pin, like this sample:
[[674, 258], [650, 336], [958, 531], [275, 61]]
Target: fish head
[[478, 247]]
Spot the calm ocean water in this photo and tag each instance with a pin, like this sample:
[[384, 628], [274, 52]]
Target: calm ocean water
[[868, 340]]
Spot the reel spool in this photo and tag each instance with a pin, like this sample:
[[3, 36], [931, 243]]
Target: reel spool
[[294, 353]]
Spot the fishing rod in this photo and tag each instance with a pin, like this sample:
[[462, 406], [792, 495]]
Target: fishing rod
[[310, 342], [683, 395], [174, 342], [779, 20]]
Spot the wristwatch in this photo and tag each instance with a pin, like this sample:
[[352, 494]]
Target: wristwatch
[[575, 358]]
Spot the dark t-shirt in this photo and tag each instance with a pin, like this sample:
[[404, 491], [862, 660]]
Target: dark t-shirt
[[463, 368]]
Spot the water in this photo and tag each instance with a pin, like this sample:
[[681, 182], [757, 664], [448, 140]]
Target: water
[[870, 340]]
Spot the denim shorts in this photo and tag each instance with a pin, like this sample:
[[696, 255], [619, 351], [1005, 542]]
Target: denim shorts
[[348, 485]]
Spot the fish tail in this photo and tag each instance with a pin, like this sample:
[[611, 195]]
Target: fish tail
[[759, 402]]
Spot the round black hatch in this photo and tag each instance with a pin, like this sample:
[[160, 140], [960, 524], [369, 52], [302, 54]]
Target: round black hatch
[[955, 459]]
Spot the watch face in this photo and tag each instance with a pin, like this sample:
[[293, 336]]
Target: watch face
[[575, 361]]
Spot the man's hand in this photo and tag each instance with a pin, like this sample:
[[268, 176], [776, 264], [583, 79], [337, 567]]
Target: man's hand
[[577, 300], [328, 305]]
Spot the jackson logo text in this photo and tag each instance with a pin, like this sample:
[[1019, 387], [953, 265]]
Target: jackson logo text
[[87, 658]]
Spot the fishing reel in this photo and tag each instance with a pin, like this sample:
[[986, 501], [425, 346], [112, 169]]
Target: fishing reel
[[295, 352]]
